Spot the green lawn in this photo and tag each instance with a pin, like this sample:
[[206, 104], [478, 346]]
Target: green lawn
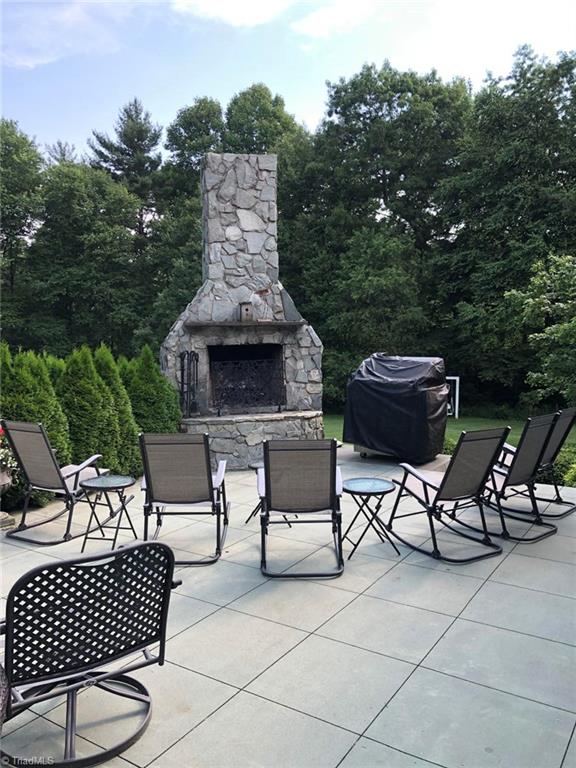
[[333, 427]]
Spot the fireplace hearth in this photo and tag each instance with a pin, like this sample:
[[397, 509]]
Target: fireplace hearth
[[256, 370]]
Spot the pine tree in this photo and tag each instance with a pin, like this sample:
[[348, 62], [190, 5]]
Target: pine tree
[[87, 403], [129, 460], [45, 406], [154, 400]]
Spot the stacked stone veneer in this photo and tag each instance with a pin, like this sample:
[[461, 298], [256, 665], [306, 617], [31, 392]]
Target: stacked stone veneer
[[240, 264]]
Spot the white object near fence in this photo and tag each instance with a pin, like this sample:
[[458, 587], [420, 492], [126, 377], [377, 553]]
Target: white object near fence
[[454, 396]]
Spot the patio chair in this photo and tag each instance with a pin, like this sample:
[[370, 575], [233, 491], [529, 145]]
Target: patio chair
[[546, 470], [178, 480], [520, 476], [300, 478], [441, 494], [37, 462], [67, 621]]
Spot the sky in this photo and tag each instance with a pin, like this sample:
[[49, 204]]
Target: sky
[[68, 67]]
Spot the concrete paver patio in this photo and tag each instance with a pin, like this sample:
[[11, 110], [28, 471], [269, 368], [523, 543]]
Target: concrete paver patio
[[403, 662]]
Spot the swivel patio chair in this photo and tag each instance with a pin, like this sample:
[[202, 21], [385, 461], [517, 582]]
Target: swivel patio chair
[[441, 494], [546, 471], [66, 621], [37, 462], [519, 478], [178, 480], [300, 478]]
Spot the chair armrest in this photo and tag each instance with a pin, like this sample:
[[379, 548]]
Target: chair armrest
[[218, 478], [79, 467], [338, 482], [414, 472], [3, 627], [261, 483], [176, 583]]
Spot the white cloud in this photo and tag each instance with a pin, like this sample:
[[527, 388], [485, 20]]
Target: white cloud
[[42, 32], [336, 17], [236, 13]]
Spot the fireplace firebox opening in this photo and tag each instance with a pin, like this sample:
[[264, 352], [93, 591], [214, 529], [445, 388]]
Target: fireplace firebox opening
[[245, 376]]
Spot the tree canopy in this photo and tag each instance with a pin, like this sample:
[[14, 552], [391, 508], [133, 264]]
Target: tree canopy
[[419, 217]]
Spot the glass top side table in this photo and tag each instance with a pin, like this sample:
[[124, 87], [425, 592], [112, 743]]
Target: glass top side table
[[104, 485], [368, 493]]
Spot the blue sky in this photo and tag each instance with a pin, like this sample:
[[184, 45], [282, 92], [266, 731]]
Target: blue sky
[[69, 66]]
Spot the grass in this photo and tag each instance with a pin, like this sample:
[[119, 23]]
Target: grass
[[333, 427]]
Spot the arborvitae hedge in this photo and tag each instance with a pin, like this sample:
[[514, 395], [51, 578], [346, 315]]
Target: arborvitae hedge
[[45, 406], [154, 400], [18, 404], [125, 369], [129, 458], [89, 407], [55, 366]]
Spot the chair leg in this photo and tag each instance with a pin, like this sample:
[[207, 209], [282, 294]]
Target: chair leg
[[398, 497], [147, 513], [263, 534], [70, 733], [435, 550]]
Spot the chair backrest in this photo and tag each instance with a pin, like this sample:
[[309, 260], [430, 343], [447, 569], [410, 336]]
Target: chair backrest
[[177, 468], [71, 616], [474, 456], [31, 448], [565, 422], [531, 446], [300, 475]]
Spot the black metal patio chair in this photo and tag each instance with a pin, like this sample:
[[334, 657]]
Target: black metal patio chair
[[300, 478], [178, 480], [520, 477], [66, 621], [37, 462], [461, 486], [546, 471]]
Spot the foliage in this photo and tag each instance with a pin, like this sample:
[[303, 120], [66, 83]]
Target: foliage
[[510, 200], [20, 180], [81, 281], [449, 445], [55, 367], [44, 404], [548, 310], [18, 404], [570, 477], [256, 121], [88, 405], [154, 400], [131, 157], [129, 460], [196, 130], [404, 222]]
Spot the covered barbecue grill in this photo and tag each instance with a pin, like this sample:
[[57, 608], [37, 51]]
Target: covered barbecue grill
[[397, 406]]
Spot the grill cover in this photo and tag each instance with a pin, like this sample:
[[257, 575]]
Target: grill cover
[[398, 406]]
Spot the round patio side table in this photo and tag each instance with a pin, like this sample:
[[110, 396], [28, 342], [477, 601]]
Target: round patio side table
[[104, 485], [368, 493]]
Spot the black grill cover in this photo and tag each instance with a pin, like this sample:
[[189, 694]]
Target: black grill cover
[[398, 406]]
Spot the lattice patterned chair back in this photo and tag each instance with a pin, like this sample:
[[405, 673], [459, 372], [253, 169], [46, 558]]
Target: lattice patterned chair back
[[67, 620]]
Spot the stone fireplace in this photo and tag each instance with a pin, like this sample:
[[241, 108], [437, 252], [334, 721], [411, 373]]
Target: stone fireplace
[[257, 364]]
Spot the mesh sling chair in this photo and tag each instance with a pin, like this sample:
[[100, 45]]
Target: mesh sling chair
[[177, 473], [300, 478], [520, 477], [459, 487], [66, 621], [37, 461], [546, 470]]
